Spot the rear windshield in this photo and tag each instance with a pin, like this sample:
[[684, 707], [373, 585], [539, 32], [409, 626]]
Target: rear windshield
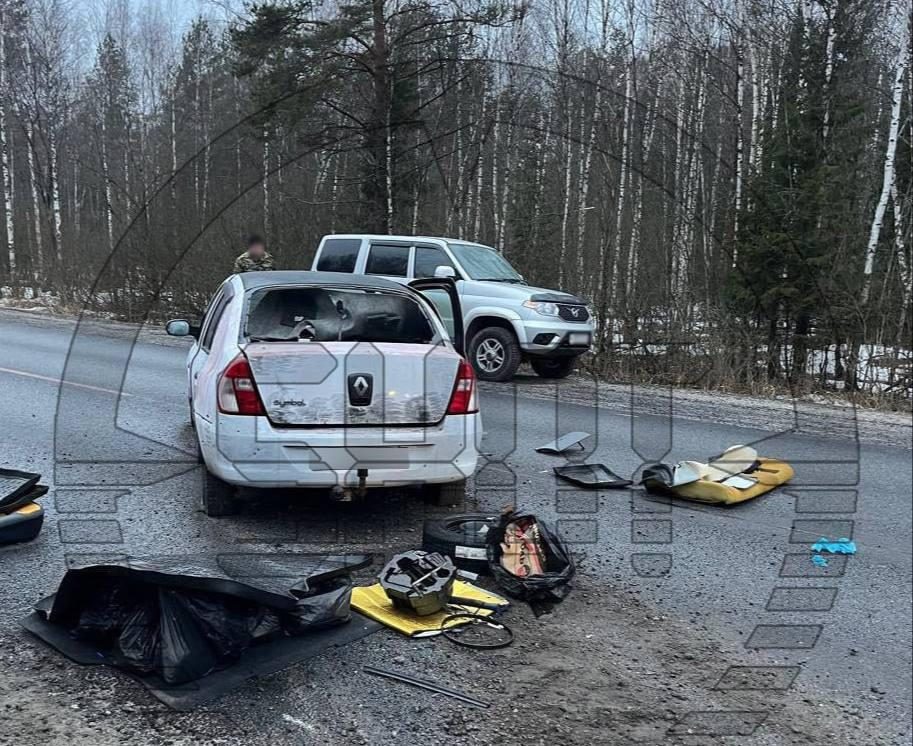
[[335, 315]]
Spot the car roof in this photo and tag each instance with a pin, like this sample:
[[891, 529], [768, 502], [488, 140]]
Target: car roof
[[383, 236], [254, 280]]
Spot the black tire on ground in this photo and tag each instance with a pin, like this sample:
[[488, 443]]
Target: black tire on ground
[[461, 537], [218, 497], [495, 354], [553, 367], [452, 493]]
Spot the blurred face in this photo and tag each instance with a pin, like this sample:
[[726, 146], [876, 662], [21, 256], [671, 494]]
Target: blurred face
[[256, 250]]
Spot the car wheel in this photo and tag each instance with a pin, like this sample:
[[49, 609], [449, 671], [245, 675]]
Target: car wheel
[[193, 422], [218, 497], [495, 354], [461, 537], [554, 367], [452, 493]]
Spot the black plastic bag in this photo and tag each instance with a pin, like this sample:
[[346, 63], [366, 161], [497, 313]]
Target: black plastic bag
[[226, 624], [327, 604], [186, 653], [551, 586], [180, 618], [139, 643]]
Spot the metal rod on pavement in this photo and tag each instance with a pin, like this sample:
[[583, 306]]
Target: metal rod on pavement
[[423, 684]]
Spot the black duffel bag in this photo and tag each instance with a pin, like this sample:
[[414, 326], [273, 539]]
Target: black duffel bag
[[552, 585]]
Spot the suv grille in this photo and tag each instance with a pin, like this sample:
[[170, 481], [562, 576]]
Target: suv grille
[[573, 313]]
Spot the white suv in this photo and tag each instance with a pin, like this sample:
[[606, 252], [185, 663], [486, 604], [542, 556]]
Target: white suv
[[316, 379], [506, 320]]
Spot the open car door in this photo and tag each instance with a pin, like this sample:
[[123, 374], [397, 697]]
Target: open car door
[[442, 293]]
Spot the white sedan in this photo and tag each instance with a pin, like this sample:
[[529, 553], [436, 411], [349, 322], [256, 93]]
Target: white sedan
[[318, 379]]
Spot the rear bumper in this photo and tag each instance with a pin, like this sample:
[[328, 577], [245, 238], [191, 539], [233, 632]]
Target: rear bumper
[[250, 451]]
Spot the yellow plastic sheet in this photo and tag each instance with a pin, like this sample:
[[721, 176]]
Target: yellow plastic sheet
[[373, 602]]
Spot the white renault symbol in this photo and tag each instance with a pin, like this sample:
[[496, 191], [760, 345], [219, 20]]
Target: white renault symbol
[[318, 379]]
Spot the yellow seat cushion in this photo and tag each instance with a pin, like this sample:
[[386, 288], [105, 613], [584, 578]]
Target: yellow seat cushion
[[770, 474]]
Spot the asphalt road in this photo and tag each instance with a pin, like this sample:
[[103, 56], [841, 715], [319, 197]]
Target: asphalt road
[[114, 443]]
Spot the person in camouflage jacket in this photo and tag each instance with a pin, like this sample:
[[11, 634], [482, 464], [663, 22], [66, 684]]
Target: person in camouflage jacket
[[255, 259]]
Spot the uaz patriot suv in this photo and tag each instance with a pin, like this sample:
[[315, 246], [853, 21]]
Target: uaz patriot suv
[[505, 319]]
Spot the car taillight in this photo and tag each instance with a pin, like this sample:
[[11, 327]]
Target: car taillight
[[237, 389], [463, 400]]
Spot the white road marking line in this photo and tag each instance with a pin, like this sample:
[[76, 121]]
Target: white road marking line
[[61, 382]]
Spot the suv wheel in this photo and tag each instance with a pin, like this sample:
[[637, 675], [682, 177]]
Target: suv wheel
[[495, 354], [218, 497], [553, 367]]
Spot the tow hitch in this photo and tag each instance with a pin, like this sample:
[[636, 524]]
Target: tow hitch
[[345, 494]]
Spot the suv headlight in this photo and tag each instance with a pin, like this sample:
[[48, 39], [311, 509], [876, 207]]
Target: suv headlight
[[543, 307]]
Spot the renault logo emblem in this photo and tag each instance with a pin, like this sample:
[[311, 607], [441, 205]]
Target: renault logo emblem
[[361, 387]]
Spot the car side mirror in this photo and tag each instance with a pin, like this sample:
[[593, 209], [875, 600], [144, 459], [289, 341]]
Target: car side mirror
[[181, 328], [444, 270]]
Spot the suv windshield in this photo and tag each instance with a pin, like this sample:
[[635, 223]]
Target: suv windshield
[[484, 263], [293, 314]]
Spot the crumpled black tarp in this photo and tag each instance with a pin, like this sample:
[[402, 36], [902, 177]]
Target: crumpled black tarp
[[554, 584], [181, 617]]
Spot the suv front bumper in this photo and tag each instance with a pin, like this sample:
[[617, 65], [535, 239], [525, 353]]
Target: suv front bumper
[[555, 338]]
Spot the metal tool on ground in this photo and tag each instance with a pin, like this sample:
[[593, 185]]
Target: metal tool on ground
[[564, 443], [431, 686], [598, 476]]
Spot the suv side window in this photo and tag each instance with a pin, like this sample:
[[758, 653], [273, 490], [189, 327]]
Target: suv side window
[[427, 259], [388, 260], [339, 255], [212, 320]]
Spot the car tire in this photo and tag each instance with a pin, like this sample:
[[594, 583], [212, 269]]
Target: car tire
[[461, 537], [495, 354], [218, 497], [452, 493], [553, 367]]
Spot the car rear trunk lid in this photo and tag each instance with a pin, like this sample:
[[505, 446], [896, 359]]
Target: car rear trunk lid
[[353, 383]]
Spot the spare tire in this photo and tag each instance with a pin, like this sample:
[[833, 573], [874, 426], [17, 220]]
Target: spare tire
[[462, 537]]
